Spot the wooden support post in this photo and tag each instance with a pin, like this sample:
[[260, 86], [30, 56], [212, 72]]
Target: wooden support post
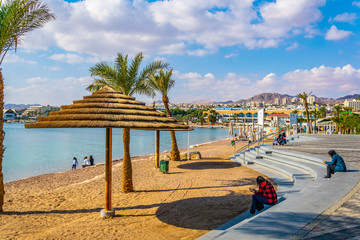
[[108, 212], [157, 154]]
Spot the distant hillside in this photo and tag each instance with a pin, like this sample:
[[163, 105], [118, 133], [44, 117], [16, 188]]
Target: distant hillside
[[267, 98], [272, 98], [349, 96], [19, 106]]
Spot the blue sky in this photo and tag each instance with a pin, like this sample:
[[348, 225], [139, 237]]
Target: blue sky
[[219, 49]]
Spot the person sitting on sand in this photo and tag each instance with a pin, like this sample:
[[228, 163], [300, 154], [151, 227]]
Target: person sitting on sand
[[75, 162], [265, 195], [86, 162], [91, 159], [336, 165]]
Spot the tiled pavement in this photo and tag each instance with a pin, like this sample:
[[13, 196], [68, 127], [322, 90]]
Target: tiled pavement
[[344, 222]]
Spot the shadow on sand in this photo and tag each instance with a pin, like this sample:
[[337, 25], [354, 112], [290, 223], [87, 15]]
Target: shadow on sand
[[209, 165], [203, 213]]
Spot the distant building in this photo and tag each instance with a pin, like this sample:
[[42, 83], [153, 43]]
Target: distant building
[[39, 110], [9, 114], [277, 101], [294, 99], [355, 104], [278, 119], [311, 100], [284, 101]]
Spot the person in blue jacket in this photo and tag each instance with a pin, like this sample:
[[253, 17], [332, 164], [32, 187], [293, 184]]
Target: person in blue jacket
[[336, 165]]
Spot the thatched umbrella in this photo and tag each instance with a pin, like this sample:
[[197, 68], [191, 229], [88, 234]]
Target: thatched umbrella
[[108, 108]]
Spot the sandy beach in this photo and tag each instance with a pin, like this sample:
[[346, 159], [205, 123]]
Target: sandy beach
[[193, 198]]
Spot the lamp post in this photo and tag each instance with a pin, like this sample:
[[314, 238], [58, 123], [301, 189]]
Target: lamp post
[[316, 106]]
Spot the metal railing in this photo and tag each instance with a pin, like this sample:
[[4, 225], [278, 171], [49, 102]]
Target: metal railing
[[258, 141]]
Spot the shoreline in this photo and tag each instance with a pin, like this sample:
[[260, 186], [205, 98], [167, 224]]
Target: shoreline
[[177, 205], [120, 159]]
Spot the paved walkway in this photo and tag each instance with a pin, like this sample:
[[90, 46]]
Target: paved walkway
[[313, 200], [343, 222]]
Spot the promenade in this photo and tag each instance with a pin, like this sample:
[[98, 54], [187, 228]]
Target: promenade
[[309, 207], [342, 221]]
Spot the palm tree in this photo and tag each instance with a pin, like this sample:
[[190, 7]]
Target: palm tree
[[161, 82], [17, 18], [347, 110], [338, 110], [304, 96], [126, 78], [322, 112]]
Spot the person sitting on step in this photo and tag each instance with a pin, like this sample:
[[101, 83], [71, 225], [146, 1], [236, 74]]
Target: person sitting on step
[[265, 195], [336, 165]]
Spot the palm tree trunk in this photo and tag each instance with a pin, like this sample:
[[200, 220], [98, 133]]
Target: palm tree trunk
[[127, 184], [307, 116], [2, 135], [174, 153]]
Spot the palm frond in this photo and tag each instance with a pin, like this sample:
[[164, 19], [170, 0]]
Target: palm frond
[[151, 68], [18, 17]]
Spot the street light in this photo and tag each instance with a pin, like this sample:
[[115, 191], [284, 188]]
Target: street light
[[316, 107]]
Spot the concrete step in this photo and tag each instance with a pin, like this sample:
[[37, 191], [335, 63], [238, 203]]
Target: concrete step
[[300, 201], [299, 156]]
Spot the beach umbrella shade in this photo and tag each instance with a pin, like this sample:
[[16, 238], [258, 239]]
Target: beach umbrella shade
[[108, 108]]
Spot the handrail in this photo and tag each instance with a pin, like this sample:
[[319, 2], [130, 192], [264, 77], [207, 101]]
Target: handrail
[[253, 143]]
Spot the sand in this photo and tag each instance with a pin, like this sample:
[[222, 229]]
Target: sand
[[195, 197]]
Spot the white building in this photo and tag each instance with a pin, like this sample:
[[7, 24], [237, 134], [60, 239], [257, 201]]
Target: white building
[[284, 101], [34, 110], [9, 114], [355, 104], [277, 101], [311, 100]]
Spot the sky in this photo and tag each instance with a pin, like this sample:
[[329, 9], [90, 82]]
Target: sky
[[219, 49]]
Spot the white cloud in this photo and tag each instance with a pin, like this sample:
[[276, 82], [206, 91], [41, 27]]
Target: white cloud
[[48, 91], [73, 58], [231, 55], [292, 46], [356, 3], [174, 26], [335, 34], [36, 80], [346, 17], [322, 81], [12, 58]]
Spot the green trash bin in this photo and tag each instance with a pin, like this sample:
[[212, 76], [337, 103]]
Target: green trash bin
[[164, 166]]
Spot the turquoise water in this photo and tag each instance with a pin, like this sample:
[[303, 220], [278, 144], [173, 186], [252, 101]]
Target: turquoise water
[[31, 152]]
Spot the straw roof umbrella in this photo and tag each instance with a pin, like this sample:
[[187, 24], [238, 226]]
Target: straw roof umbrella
[[108, 108]]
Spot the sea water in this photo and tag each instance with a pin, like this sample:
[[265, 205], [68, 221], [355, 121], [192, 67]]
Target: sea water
[[31, 152]]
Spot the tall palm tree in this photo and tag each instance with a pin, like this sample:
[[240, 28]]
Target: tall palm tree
[[17, 18], [126, 78], [322, 112], [347, 110], [304, 96], [161, 82], [337, 110]]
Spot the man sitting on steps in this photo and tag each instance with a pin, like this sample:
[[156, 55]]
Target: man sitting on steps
[[336, 165]]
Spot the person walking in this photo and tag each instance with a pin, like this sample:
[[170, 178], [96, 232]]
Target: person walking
[[265, 195], [75, 162], [337, 164]]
